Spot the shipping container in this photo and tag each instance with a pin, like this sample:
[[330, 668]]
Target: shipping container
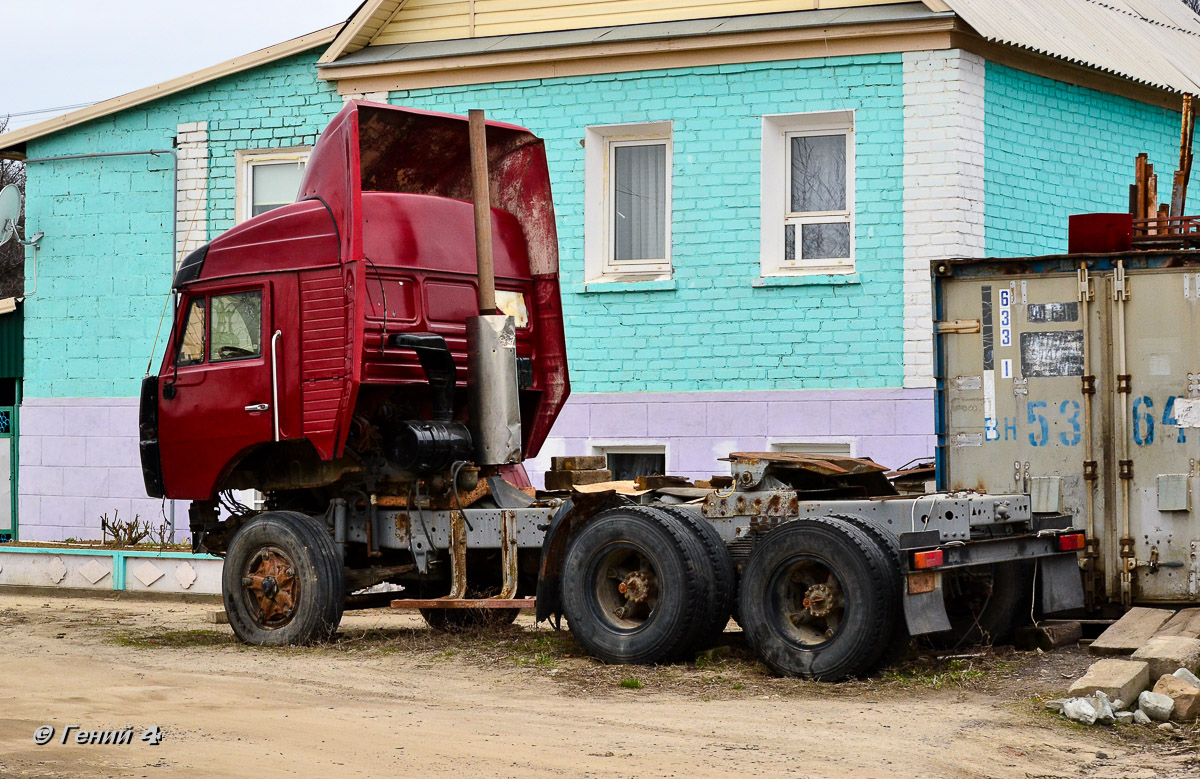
[[1076, 379]]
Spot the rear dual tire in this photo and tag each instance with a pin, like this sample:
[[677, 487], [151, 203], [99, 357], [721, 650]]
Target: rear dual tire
[[819, 599], [640, 587]]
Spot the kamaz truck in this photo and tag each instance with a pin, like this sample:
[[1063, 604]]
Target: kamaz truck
[[377, 360]]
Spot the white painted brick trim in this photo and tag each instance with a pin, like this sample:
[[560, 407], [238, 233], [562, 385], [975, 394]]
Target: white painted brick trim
[[943, 185], [191, 195]]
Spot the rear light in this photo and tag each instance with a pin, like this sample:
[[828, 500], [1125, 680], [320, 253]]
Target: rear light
[[1071, 542], [928, 559]]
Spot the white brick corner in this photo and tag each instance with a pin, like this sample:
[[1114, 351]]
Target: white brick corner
[[943, 185]]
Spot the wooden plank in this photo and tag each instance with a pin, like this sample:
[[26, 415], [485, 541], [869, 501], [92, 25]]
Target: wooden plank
[[464, 603], [1047, 636], [1126, 635], [1185, 623], [565, 480], [579, 462], [1140, 183]]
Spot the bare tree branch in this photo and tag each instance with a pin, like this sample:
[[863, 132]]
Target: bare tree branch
[[12, 254]]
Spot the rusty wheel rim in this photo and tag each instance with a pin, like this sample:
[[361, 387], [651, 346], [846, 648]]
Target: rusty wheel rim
[[625, 587], [270, 587], [809, 605]]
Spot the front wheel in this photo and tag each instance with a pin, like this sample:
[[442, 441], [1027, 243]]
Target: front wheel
[[282, 582], [816, 600]]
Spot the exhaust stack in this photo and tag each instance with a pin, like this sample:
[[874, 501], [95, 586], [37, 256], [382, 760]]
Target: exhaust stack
[[491, 338]]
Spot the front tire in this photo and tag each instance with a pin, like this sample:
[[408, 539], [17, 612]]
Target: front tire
[[816, 600], [282, 581]]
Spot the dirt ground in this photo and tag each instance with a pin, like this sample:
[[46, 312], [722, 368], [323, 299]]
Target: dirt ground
[[391, 698]]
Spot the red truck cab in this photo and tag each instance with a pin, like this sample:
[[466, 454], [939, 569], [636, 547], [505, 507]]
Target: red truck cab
[[283, 372]]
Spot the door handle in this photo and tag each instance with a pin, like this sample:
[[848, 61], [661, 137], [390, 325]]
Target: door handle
[[257, 407]]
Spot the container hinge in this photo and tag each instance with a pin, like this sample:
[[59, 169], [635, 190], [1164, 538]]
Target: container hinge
[[1091, 470], [1125, 469], [1120, 284], [1084, 291], [1087, 385], [1124, 383], [961, 326]]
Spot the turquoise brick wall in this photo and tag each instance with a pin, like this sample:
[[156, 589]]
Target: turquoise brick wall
[[1053, 150], [104, 266], [715, 331]]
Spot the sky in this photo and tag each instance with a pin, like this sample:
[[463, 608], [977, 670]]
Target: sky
[[65, 52]]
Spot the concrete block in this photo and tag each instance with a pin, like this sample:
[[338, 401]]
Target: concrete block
[[1185, 695], [1185, 623], [1165, 654], [1118, 679], [1126, 635]]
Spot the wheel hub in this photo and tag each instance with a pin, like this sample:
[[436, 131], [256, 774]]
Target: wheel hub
[[635, 587], [272, 586], [819, 600]]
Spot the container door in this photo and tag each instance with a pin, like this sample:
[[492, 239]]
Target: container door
[[1161, 338], [1016, 355], [216, 399]]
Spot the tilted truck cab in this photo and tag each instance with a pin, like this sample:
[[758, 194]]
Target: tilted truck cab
[[378, 358], [284, 372]]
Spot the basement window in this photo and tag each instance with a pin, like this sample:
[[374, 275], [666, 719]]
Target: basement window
[[268, 179], [629, 462]]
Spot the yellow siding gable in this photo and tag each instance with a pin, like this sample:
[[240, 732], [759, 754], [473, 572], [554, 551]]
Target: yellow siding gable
[[436, 20]]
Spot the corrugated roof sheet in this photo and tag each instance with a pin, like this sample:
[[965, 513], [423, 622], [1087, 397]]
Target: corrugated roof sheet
[[1156, 42]]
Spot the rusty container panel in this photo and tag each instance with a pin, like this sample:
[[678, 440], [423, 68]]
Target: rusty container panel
[[1080, 385]]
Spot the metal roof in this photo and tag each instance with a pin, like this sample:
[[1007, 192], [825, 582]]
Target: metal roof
[[828, 17], [1156, 42]]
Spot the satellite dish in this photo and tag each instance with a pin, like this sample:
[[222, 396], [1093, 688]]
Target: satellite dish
[[10, 212]]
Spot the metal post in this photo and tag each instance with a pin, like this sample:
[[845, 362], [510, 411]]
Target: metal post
[[483, 212]]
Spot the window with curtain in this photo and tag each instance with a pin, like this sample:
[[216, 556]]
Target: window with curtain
[[639, 201], [628, 206]]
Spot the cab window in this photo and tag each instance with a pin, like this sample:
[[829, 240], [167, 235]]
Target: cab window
[[191, 345], [236, 327]]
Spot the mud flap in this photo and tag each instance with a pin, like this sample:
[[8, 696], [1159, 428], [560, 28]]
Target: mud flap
[[924, 604], [1061, 582]]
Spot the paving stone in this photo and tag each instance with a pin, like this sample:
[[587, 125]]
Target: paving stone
[[1156, 706], [1127, 634], [1117, 678], [1186, 697], [1185, 623], [1166, 654]]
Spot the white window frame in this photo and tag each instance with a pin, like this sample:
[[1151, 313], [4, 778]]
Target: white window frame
[[819, 447], [244, 162], [778, 130], [637, 447], [599, 145]]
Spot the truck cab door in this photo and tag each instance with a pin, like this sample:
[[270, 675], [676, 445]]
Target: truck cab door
[[215, 389]]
